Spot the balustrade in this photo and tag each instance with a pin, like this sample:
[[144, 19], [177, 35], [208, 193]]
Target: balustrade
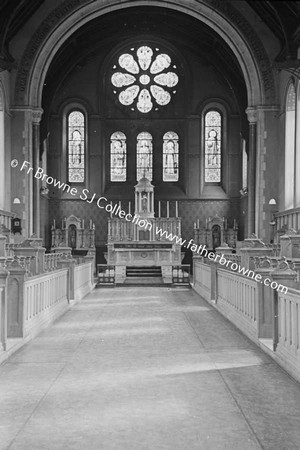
[[5, 218], [287, 220]]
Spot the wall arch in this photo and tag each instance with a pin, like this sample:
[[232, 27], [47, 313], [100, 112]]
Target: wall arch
[[221, 16]]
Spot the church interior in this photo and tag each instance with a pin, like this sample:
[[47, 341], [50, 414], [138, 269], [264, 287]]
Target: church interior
[[151, 149]]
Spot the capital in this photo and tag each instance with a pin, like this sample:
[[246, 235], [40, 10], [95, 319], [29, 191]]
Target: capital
[[251, 114], [36, 115]]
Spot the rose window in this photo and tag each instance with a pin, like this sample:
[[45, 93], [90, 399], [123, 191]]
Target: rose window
[[144, 79]]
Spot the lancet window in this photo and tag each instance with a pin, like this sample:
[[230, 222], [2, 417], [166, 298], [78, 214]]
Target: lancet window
[[118, 156], [76, 147], [144, 156], [213, 146], [170, 156]]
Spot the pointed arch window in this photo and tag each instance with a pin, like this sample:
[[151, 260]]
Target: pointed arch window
[[213, 146], [76, 146], [170, 156], [290, 119], [144, 157], [118, 156]]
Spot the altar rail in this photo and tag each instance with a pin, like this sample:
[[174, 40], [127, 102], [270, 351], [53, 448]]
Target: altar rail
[[30, 303], [202, 279], [288, 346], [237, 298], [83, 280], [45, 299], [268, 317]]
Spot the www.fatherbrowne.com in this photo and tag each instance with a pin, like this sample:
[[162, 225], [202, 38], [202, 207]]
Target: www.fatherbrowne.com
[[102, 203]]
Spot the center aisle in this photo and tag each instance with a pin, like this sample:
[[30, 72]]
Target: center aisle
[[145, 368]]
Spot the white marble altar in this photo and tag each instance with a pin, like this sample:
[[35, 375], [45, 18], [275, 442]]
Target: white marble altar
[[137, 243]]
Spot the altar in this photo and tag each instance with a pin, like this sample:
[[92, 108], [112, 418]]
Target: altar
[[138, 243]]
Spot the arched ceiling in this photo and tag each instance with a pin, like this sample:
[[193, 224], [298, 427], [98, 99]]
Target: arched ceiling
[[181, 30], [281, 17]]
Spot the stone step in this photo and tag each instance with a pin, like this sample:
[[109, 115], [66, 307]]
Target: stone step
[[143, 274], [145, 281], [145, 271]]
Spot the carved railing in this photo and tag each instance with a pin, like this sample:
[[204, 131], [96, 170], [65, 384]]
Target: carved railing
[[233, 257], [5, 218], [51, 260], [287, 220]]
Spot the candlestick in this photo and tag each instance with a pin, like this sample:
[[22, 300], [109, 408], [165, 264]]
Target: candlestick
[[82, 223], [206, 223], [90, 224], [159, 209], [198, 223], [194, 225], [168, 209], [176, 208], [54, 223]]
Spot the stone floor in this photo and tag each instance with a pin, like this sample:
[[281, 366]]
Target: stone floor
[[145, 368]]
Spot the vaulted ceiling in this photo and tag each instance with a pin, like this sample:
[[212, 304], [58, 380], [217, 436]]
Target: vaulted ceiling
[[282, 18]]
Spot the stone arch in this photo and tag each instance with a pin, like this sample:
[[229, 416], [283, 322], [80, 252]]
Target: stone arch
[[72, 14]]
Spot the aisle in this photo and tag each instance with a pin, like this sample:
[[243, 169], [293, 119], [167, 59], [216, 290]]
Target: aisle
[[145, 368]]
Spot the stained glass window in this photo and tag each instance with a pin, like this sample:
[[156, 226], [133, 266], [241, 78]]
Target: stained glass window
[[141, 81], [170, 156], [118, 159], [144, 156], [76, 147], [213, 142]]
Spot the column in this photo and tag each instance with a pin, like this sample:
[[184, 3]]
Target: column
[[148, 203], [252, 118], [36, 118]]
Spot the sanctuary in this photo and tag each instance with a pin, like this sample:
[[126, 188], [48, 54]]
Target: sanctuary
[[143, 242]]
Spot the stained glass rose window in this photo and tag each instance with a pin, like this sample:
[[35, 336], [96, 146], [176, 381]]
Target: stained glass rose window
[[144, 79]]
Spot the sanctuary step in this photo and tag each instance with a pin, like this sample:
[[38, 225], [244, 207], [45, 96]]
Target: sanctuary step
[[144, 281], [146, 271], [146, 275]]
